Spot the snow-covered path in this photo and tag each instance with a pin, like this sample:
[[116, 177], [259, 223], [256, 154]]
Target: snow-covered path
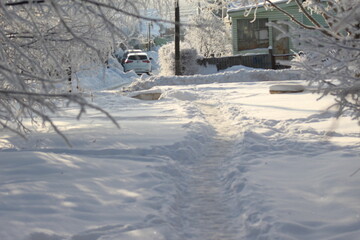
[[206, 213], [222, 198], [221, 161]]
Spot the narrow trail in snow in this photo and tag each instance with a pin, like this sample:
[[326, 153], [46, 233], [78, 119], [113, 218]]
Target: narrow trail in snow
[[208, 216]]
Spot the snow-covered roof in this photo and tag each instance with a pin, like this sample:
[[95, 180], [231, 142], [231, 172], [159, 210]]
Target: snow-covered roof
[[238, 6]]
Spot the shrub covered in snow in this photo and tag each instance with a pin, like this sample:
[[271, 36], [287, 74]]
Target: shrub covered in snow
[[331, 52], [209, 35], [188, 60]]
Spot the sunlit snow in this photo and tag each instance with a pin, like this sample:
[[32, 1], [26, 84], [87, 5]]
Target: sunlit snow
[[216, 157]]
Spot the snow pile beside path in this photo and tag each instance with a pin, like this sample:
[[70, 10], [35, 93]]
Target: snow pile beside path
[[100, 78], [242, 75], [180, 95], [287, 88], [154, 57], [237, 68]]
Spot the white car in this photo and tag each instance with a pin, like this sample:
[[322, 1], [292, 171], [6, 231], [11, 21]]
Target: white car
[[137, 61]]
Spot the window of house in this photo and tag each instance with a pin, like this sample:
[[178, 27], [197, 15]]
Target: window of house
[[252, 35]]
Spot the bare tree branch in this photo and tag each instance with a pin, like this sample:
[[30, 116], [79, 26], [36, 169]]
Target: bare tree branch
[[42, 39], [307, 14], [324, 31], [24, 2]]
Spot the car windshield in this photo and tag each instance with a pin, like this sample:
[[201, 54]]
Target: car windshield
[[142, 57], [132, 58], [137, 57]]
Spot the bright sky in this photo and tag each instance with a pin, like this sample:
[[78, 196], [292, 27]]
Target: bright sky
[[187, 9]]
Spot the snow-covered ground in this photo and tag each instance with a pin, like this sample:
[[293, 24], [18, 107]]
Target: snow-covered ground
[[217, 157]]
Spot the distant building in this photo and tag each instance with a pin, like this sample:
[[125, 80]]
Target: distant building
[[257, 37]]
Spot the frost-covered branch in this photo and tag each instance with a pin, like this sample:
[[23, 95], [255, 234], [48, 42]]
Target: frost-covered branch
[[330, 52], [43, 43], [331, 56], [16, 3]]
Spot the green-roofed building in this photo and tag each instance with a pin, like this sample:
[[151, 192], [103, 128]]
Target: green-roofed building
[[256, 37]]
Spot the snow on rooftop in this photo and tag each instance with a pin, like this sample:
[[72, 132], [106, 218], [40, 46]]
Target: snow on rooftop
[[239, 6]]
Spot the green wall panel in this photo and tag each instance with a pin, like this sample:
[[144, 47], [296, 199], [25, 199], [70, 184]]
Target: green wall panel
[[272, 15]]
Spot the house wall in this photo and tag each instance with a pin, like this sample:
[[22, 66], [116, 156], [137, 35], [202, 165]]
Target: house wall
[[320, 19], [272, 15]]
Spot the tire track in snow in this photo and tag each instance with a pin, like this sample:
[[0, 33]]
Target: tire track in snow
[[205, 213]]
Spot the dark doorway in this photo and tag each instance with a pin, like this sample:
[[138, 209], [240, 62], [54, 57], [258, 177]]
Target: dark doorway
[[280, 45]]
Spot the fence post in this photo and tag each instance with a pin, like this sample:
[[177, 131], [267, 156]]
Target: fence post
[[177, 39], [272, 58]]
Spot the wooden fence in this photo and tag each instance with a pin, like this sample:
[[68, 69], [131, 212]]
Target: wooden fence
[[266, 61], [255, 61]]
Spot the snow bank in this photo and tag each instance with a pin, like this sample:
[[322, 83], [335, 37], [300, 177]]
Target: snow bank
[[180, 95], [242, 75], [102, 78]]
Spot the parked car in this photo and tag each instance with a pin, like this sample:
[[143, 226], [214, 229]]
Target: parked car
[[137, 61], [127, 52]]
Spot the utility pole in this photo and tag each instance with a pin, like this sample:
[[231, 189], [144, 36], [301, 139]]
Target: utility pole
[[223, 9], [177, 38], [149, 35]]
